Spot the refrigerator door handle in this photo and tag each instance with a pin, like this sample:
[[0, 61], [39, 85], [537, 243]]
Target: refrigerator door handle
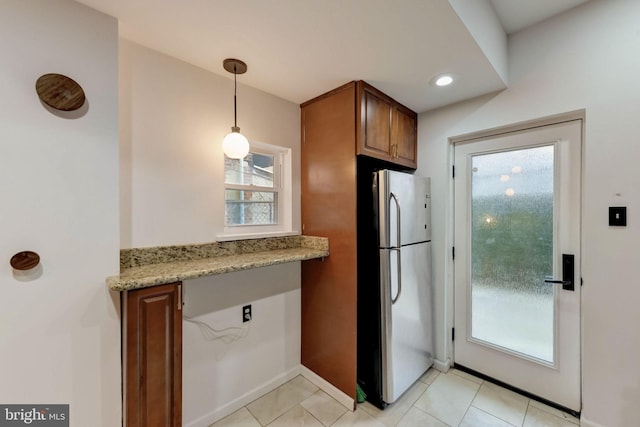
[[398, 228], [398, 245], [399, 274]]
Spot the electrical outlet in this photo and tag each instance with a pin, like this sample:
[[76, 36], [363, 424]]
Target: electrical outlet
[[246, 313]]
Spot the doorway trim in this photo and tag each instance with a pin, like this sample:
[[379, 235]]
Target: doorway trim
[[519, 127], [480, 135]]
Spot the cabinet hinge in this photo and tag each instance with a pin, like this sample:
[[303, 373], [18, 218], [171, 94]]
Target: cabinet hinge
[[453, 334]]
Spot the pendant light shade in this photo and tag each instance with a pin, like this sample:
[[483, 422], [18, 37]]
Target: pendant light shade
[[235, 145]]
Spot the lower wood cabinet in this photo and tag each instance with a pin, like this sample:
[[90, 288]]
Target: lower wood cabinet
[[152, 356]]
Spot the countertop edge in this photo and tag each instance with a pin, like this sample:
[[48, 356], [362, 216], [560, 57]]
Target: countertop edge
[[183, 270]]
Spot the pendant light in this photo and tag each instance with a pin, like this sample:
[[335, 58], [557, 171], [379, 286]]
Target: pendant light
[[235, 145]]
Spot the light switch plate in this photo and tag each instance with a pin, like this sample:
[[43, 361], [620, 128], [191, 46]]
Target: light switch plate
[[618, 216]]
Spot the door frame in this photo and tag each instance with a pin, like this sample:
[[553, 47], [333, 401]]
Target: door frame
[[519, 127]]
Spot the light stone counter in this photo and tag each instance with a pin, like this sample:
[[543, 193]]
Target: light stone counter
[[144, 267]]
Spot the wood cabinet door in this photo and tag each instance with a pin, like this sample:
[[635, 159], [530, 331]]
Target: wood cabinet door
[[374, 138], [386, 129], [404, 136], [152, 339]]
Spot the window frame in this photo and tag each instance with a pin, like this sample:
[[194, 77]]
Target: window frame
[[282, 186]]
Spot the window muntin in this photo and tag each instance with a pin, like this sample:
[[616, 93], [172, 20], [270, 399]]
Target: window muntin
[[250, 207], [256, 169], [252, 189]]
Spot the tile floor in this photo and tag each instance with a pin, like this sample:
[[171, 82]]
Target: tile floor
[[436, 400]]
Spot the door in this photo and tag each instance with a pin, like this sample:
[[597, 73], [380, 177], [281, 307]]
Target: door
[[404, 135], [152, 326], [517, 229], [375, 123]]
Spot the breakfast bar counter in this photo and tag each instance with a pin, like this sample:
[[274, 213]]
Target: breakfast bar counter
[[145, 267]]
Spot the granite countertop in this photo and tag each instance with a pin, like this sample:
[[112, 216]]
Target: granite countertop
[[144, 267]]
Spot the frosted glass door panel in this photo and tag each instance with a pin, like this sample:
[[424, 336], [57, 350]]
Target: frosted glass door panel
[[512, 250]]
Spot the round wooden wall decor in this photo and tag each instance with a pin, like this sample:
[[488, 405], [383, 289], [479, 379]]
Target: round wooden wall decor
[[25, 260], [60, 92]]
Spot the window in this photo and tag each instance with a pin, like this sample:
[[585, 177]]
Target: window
[[257, 192]]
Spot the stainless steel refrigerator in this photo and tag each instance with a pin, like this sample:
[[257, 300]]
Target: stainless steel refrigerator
[[403, 336]]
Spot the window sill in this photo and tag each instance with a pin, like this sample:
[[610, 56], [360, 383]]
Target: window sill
[[259, 235]]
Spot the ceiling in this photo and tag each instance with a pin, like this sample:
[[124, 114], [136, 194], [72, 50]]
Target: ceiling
[[516, 15], [300, 49]]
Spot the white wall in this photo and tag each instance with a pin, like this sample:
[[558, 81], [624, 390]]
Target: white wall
[[173, 118], [59, 325], [585, 58], [218, 377], [483, 24]]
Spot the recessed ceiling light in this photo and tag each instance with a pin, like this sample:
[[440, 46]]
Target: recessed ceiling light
[[443, 80]]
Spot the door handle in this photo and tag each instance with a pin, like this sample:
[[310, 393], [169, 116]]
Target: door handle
[[567, 281], [398, 215], [398, 245], [399, 273]]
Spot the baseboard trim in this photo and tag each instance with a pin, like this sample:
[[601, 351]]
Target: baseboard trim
[[231, 407], [442, 366], [329, 388]]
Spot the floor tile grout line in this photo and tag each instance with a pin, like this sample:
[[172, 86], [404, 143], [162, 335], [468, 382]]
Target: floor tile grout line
[[413, 405], [252, 416], [526, 412], [404, 414], [425, 412], [340, 417], [497, 417], [250, 413], [291, 409], [310, 413], [470, 403], [433, 416]]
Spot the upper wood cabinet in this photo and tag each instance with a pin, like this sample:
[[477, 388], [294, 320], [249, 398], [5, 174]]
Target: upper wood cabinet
[[385, 129], [152, 352]]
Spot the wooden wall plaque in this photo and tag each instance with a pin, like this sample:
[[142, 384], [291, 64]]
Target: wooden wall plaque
[[60, 92], [25, 260]]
